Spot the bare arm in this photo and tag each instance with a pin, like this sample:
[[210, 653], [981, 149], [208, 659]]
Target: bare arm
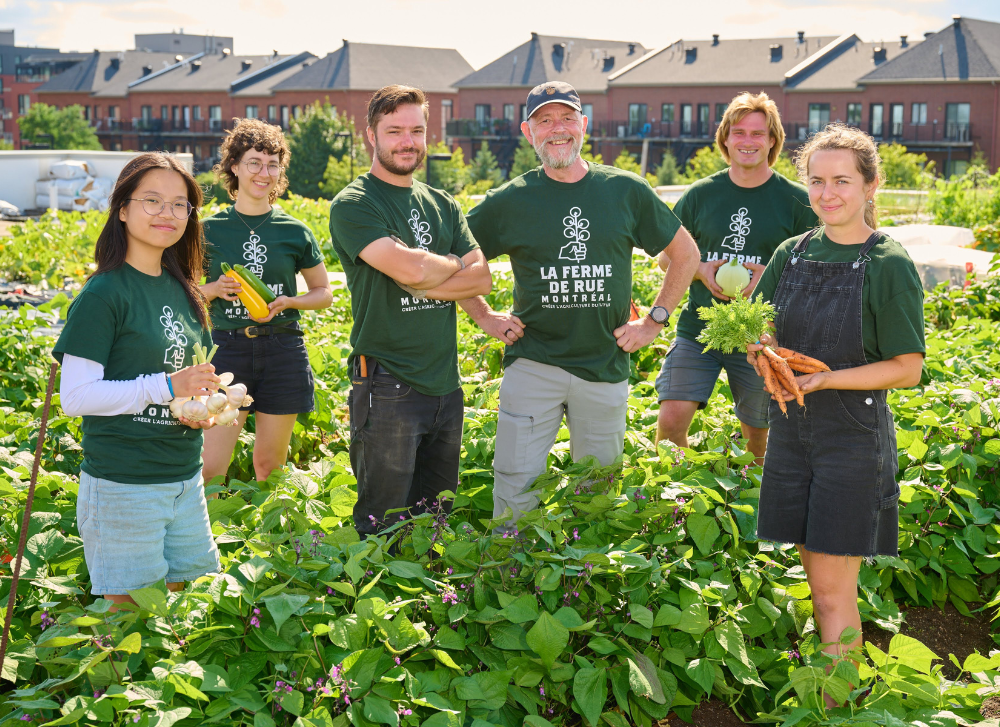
[[417, 268], [505, 327], [473, 280]]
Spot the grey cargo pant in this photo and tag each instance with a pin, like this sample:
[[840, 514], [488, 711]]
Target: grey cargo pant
[[533, 398]]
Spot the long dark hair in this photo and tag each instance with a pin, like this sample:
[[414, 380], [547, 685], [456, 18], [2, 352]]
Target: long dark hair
[[184, 259]]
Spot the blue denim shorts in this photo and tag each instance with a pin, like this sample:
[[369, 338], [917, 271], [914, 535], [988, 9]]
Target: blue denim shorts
[[136, 535], [688, 374]]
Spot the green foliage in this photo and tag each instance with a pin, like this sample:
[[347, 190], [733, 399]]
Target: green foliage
[[452, 175], [633, 591], [731, 326], [904, 169], [586, 152], [338, 172], [313, 139], [970, 200], [484, 168], [668, 172], [705, 162], [215, 191], [53, 252], [67, 126], [627, 161], [316, 214], [987, 237], [6, 145], [784, 166], [525, 158]]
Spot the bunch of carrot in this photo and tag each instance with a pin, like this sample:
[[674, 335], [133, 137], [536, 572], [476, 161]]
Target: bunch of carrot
[[776, 366]]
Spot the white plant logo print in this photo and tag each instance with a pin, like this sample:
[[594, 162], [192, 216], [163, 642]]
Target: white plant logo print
[[255, 254], [176, 351], [740, 226], [576, 230], [421, 231]]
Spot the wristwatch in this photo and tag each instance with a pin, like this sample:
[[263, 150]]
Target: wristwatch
[[659, 314]]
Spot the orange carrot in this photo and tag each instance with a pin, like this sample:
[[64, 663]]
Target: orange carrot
[[784, 375], [803, 368], [769, 382], [789, 355]]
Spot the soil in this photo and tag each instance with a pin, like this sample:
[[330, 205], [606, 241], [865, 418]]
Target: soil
[[991, 707], [943, 632], [713, 713]]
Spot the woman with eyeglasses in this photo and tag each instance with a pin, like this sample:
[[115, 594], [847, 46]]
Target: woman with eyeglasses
[[267, 354], [129, 337]]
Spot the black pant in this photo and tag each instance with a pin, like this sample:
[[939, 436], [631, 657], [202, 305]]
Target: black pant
[[407, 451]]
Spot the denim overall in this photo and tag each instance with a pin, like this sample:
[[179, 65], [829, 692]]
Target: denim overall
[[830, 469]]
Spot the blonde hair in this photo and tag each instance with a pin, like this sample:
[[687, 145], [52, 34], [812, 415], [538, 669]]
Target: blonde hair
[[748, 103], [842, 136]]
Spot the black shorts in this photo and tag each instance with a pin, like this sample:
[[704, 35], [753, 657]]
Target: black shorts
[[274, 368]]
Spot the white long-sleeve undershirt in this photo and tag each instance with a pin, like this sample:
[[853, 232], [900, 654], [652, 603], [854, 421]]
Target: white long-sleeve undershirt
[[84, 392]]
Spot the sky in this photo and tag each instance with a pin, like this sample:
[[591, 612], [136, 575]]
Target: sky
[[481, 31]]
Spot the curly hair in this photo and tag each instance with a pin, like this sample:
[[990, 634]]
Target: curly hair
[[748, 103], [252, 134], [865, 150]]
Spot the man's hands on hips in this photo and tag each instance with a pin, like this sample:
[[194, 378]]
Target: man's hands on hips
[[637, 334], [505, 327]]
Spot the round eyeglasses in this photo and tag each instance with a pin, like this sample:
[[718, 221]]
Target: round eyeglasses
[[255, 165], [153, 206]]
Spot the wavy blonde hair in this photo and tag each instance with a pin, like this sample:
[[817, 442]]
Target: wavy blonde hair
[[748, 103], [842, 136]]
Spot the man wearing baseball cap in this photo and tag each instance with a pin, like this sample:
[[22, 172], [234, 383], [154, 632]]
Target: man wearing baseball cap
[[569, 228]]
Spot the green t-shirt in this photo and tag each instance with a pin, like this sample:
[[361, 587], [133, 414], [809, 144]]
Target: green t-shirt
[[279, 248], [892, 321], [415, 340], [570, 248], [134, 324], [727, 220]]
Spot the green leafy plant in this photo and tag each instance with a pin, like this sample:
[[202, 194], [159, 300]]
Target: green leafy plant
[[67, 127], [731, 326]]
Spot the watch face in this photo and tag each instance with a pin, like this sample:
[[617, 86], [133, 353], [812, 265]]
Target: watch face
[[658, 314]]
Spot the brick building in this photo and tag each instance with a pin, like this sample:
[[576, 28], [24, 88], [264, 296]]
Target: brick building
[[491, 100], [348, 76], [21, 72]]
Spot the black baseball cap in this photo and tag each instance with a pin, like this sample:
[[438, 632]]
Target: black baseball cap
[[552, 92]]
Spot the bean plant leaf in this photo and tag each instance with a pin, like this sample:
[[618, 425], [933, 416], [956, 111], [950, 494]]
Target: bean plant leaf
[[521, 609], [548, 638], [704, 531], [590, 689], [281, 607], [702, 673], [643, 680], [380, 711]]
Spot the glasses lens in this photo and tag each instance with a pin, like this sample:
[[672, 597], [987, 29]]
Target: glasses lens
[[152, 205], [274, 169], [182, 210], [254, 166]]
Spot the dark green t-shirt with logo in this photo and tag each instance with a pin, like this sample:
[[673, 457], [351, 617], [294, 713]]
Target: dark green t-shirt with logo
[[892, 298], [570, 248], [415, 340], [279, 247], [727, 220], [135, 324]]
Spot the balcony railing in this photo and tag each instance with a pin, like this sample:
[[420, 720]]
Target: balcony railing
[[904, 133], [194, 127], [504, 128], [631, 129]]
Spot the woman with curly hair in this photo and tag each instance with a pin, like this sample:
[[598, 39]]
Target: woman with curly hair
[[267, 354]]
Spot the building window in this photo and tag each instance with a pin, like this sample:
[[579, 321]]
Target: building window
[[703, 119], [447, 110], [215, 118], [164, 113], [876, 120], [955, 168], [23, 103], [272, 112], [918, 114], [296, 111], [175, 114], [251, 112], [896, 120], [667, 113], [86, 112], [854, 114], [636, 118], [146, 113], [720, 111], [508, 112], [819, 116], [116, 146], [483, 115], [284, 117], [587, 110], [687, 119], [196, 112], [956, 121], [213, 151]]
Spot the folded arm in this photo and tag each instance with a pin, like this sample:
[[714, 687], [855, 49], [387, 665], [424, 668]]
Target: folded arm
[[471, 281], [410, 266]]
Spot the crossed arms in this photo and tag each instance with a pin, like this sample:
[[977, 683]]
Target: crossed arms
[[441, 276]]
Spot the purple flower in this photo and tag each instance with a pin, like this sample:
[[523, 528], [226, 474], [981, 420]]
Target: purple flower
[[255, 622], [25, 718], [541, 690], [398, 662], [256, 612], [450, 571], [329, 591]]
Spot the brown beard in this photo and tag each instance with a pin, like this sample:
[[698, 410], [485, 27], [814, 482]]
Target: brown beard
[[389, 164]]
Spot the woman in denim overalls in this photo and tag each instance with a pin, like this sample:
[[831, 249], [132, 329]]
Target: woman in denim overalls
[[851, 297]]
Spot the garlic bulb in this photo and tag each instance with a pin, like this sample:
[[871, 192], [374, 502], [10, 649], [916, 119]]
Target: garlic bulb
[[216, 402], [227, 416], [236, 394], [195, 411]]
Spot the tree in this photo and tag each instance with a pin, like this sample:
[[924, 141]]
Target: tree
[[67, 126], [784, 166], [903, 169], [668, 172], [707, 160], [586, 153], [338, 171], [626, 160], [525, 158], [451, 175], [484, 167], [6, 145], [215, 192], [313, 139]]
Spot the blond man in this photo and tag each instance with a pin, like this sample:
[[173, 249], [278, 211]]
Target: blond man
[[745, 212]]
